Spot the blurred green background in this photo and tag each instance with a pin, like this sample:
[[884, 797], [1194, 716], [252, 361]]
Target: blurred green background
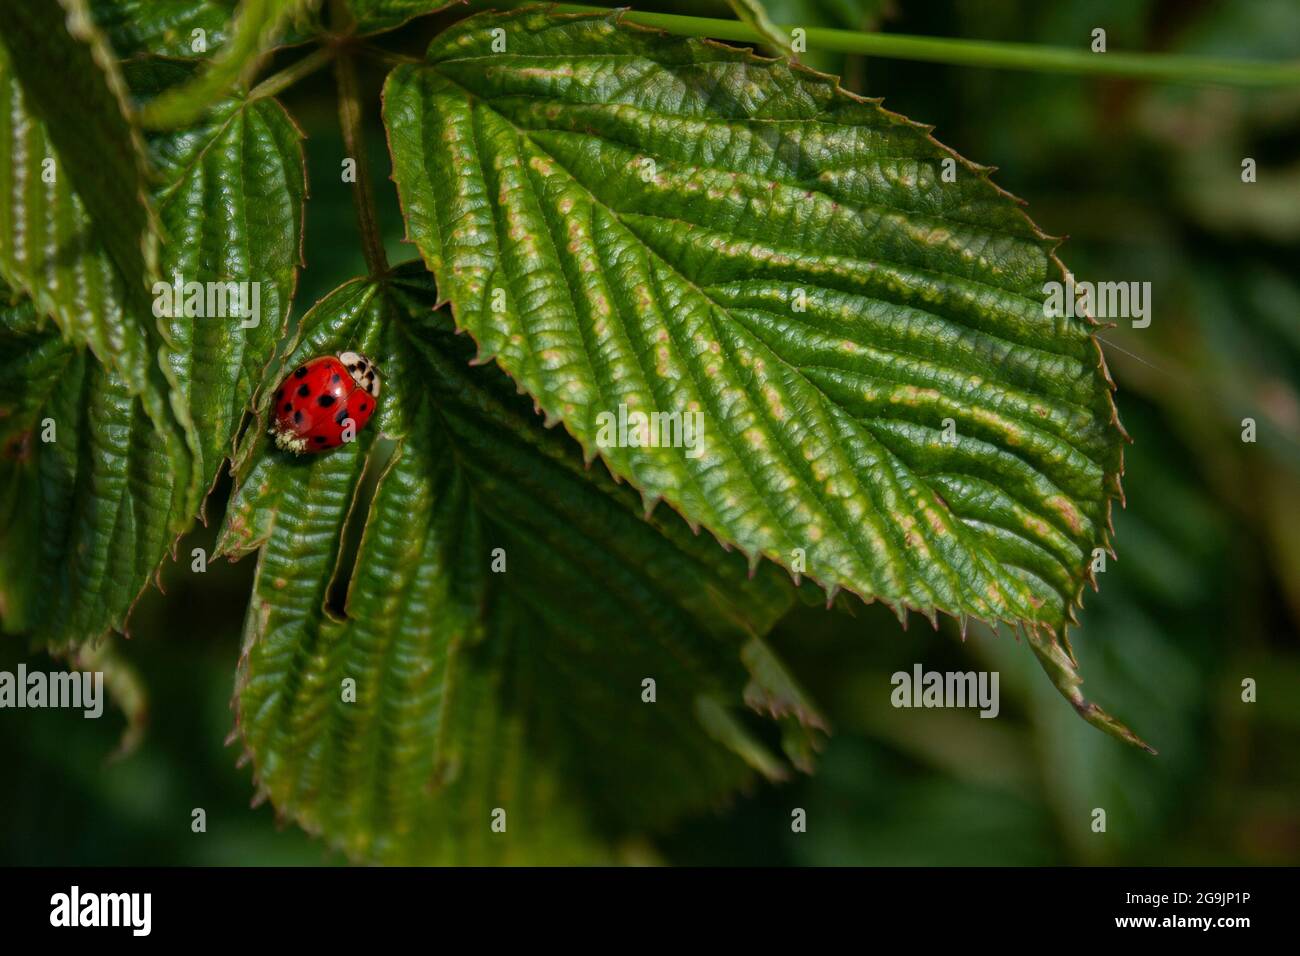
[[1206, 592]]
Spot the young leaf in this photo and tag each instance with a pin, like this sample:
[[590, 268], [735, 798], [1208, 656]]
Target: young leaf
[[505, 607], [622, 218], [755, 14], [107, 497]]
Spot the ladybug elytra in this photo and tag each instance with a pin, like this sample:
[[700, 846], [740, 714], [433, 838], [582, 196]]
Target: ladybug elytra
[[325, 402]]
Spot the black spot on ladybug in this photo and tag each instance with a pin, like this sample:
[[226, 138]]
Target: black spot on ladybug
[[325, 401], [335, 378], [301, 373], [304, 390], [279, 394], [297, 418], [363, 406], [320, 439], [341, 417], [288, 406]]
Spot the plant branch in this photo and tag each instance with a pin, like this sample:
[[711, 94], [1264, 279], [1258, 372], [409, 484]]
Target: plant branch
[[387, 57], [363, 198], [291, 74], [1157, 67]]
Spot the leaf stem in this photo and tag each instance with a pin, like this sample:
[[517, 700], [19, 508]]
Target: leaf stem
[[291, 74], [387, 57], [1157, 67], [363, 197]]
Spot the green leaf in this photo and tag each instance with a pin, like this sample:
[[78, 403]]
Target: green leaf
[[91, 509], [754, 13], [622, 218], [165, 27], [96, 510], [37, 357], [518, 688], [377, 16], [233, 211], [773, 691], [259, 25], [51, 250], [72, 84]]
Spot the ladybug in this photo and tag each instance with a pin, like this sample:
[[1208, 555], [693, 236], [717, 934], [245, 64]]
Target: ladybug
[[317, 403]]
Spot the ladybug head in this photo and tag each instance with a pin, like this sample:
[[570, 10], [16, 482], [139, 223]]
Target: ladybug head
[[362, 370]]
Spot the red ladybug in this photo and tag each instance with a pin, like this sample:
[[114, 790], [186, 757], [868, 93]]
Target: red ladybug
[[324, 403]]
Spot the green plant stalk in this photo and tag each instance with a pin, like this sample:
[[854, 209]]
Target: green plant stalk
[[277, 83], [363, 198], [1158, 67], [184, 104]]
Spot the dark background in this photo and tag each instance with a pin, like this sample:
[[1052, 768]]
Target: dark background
[[1206, 591]]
